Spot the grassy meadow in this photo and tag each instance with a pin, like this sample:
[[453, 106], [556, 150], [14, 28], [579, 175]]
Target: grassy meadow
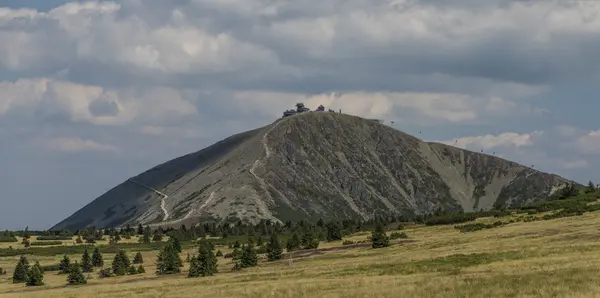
[[546, 258]]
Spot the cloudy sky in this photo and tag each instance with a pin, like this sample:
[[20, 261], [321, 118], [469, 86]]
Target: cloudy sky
[[92, 93]]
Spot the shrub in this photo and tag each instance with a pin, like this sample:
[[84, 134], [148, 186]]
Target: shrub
[[106, 272], [8, 238], [347, 242], [45, 243], [396, 235], [45, 238], [479, 226], [50, 268]]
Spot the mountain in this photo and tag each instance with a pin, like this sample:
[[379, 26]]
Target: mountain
[[315, 165]]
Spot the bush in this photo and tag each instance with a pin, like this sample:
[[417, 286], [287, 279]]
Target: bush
[[463, 217], [396, 235], [44, 238], [8, 238], [43, 243], [106, 272], [479, 226], [347, 242], [50, 268]]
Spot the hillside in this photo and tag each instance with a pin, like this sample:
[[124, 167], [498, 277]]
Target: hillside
[[315, 165]]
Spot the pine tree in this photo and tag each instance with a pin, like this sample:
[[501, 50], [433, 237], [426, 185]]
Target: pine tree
[[274, 249], [249, 257], [21, 271], [219, 253], [138, 259], [293, 243], [176, 243], [35, 276], [75, 276], [157, 237], [309, 241], [147, 233], [194, 267], [591, 187], [86, 262], [379, 238], [333, 232], [121, 263], [37, 264], [64, 265], [205, 264], [97, 260], [168, 261]]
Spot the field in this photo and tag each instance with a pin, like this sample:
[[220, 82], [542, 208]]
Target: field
[[549, 258]]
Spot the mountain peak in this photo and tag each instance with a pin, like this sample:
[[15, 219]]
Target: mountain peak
[[315, 165]]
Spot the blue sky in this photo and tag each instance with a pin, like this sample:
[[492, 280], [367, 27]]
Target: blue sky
[[92, 93]]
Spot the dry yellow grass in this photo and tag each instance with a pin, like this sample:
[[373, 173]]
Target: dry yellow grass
[[556, 258]]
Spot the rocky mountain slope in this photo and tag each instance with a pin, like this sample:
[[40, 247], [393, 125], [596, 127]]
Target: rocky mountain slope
[[315, 165]]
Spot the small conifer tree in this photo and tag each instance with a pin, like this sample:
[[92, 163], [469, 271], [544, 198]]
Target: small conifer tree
[[168, 261], [309, 241], [274, 249], [141, 269], [138, 259], [176, 244], [249, 257], [333, 232], [65, 265], [133, 270], [21, 272], [205, 264], [121, 263], [86, 262], [379, 238], [37, 264], [35, 276], [97, 260], [75, 276], [293, 243]]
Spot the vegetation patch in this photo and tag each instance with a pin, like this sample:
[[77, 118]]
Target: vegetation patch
[[450, 264], [44, 243], [479, 226], [53, 238]]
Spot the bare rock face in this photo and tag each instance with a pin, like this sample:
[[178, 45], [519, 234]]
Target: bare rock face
[[315, 165]]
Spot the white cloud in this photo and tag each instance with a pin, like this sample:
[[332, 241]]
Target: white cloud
[[489, 141], [74, 145], [589, 143], [417, 107], [43, 97]]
